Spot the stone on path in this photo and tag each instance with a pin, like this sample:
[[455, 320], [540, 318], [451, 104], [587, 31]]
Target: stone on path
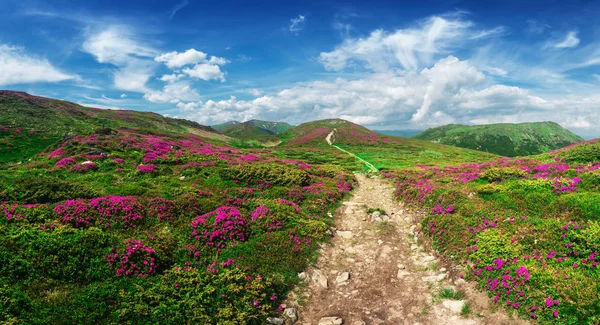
[[331, 321], [342, 277], [345, 234], [402, 273], [274, 321], [454, 306], [434, 278], [291, 314], [319, 278]]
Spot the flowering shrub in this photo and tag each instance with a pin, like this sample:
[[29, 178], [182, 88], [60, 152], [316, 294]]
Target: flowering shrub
[[146, 169], [218, 228], [101, 211], [137, 260], [65, 162]]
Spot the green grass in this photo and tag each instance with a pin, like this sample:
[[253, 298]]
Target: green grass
[[503, 139], [451, 293]]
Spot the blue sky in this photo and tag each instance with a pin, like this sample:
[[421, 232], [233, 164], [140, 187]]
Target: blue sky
[[384, 64]]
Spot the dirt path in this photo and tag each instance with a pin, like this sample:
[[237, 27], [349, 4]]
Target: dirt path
[[390, 279], [330, 138]]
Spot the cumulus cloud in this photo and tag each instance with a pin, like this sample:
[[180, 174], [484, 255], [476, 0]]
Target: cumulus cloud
[[18, 67], [177, 60], [297, 24], [171, 77], [204, 68], [173, 93], [570, 40], [119, 46]]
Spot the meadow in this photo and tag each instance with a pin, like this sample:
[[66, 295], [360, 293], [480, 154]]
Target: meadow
[[142, 229], [525, 229], [119, 217]]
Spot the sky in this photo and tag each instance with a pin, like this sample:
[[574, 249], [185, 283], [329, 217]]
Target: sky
[[383, 64]]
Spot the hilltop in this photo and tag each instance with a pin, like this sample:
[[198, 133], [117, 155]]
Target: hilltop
[[28, 124], [314, 132], [254, 127], [504, 139]]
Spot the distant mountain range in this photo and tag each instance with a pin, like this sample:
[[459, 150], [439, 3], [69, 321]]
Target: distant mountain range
[[253, 129], [504, 139]]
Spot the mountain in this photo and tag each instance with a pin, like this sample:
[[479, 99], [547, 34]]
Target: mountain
[[29, 124], [248, 131], [253, 127], [221, 127], [504, 139], [315, 132]]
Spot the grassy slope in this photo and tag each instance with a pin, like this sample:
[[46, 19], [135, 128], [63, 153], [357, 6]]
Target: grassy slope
[[531, 225], [30, 123], [503, 139], [54, 268], [385, 152]]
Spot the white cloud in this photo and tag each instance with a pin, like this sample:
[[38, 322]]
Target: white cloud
[[487, 33], [18, 67], [177, 60], [123, 96], [204, 68], [408, 49], [571, 40], [171, 77], [255, 92], [116, 45], [447, 76], [205, 71], [173, 93], [297, 24], [178, 7], [119, 46]]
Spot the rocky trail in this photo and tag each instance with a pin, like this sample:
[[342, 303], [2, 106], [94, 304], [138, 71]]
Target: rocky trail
[[374, 271]]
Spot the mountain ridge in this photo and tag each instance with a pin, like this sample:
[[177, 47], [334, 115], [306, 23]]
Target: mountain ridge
[[506, 139]]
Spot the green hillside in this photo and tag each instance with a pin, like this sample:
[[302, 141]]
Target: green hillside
[[504, 139], [384, 152], [221, 127], [253, 126], [28, 124]]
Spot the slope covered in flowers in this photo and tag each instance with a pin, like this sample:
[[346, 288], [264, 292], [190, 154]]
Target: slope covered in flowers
[[130, 228], [528, 230]]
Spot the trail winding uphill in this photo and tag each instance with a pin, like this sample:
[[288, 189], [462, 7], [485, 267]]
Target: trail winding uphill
[[330, 139], [376, 272]]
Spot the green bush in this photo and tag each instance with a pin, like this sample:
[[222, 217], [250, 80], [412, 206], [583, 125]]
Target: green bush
[[46, 190], [191, 296], [579, 205], [273, 253], [497, 174], [274, 174], [489, 189], [493, 244], [584, 153], [536, 184], [62, 254]]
